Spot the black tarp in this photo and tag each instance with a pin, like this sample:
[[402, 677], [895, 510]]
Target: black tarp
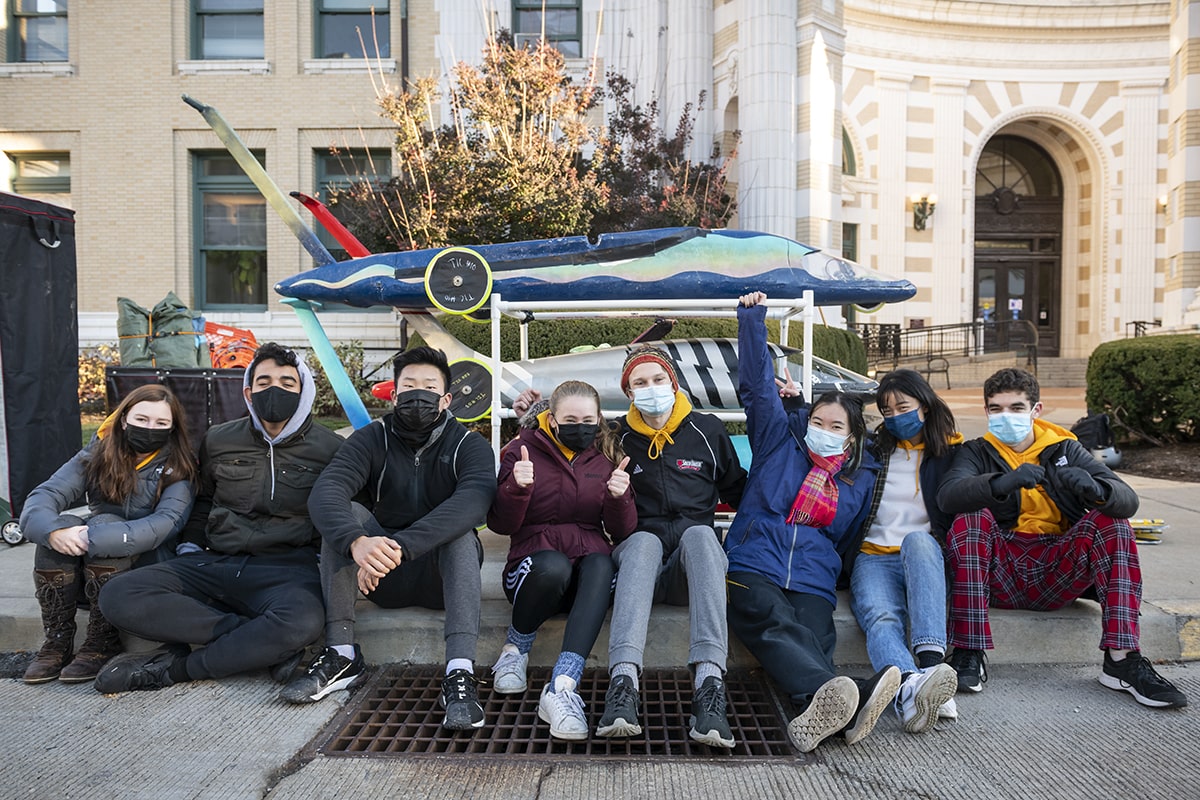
[[39, 344], [208, 396]]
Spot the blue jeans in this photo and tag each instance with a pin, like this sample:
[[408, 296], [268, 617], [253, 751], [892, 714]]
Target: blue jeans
[[892, 593]]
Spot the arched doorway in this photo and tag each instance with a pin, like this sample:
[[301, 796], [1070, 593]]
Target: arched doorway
[[1018, 241]]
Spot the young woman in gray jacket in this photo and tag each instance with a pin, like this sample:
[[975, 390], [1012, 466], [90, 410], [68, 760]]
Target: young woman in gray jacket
[[137, 478]]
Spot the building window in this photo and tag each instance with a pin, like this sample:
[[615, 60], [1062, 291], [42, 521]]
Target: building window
[[850, 241], [230, 235], [226, 29], [343, 168], [40, 174], [558, 21], [38, 30], [849, 165], [339, 23]]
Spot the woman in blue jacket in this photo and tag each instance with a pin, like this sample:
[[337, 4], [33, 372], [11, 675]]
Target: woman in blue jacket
[[137, 478], [810, 484]]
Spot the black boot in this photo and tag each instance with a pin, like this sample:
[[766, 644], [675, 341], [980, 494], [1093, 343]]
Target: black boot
[[57, 592], [102, 641]]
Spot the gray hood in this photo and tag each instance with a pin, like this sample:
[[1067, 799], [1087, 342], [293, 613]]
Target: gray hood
[[308, 394]]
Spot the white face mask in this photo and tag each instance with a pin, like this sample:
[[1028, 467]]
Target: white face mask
[[654, 401], [825, 443]]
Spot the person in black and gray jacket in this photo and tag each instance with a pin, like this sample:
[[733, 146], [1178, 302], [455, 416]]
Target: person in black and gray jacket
[[397, 509], [138, 479], [246, 586]]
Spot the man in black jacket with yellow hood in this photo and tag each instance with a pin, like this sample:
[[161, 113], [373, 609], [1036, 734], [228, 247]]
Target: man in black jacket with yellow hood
[[1040, 522]]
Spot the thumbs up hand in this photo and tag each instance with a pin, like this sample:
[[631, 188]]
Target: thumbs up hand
[[618, 482], [523, 470]]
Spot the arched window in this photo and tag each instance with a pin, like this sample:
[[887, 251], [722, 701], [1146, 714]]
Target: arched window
[[849, 166], [1011, 168]]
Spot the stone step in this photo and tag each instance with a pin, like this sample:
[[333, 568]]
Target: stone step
[[1069, 635]]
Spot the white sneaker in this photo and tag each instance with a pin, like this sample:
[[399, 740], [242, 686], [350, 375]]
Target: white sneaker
[[831, 709], [563, 709], [948, 710], [509, 671], [922, 694]]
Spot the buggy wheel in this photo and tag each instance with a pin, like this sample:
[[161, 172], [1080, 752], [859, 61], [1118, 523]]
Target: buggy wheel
[[12, 533]]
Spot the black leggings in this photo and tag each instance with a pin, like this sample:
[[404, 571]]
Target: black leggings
[[546, 583]]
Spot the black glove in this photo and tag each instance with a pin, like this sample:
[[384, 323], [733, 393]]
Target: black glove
[[1080, 483], [1025, 476]]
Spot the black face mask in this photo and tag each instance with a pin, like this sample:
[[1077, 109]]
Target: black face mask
[[417, 410], [577, 435], [146, 440], [275, 404]]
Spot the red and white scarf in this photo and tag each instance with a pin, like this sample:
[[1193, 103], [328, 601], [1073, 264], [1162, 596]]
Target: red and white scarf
[[816, 502]]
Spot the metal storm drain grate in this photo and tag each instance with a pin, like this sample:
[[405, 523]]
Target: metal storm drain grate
[[396, 713]]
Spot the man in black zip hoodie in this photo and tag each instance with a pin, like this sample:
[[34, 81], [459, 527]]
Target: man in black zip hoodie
[[397, 510], [245, 585]]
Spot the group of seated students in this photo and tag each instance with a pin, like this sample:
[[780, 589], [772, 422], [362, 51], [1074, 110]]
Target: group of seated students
[[243, 559]]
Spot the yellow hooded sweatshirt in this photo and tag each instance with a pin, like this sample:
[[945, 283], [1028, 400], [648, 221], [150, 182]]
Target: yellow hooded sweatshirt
[[1039, 515]]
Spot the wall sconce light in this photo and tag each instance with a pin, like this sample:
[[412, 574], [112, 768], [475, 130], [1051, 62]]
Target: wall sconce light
[[1162, 203], [922, 206]]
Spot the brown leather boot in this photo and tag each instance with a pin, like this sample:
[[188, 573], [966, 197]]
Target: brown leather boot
[[58, 593], [102, 641]]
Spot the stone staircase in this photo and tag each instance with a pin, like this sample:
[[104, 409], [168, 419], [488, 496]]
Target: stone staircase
[[1062, 372]]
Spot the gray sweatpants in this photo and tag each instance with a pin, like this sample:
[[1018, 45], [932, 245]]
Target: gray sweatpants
[[445, 578], [695, 572]]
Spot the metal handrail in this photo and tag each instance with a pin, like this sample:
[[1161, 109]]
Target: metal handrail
[[891, 344]]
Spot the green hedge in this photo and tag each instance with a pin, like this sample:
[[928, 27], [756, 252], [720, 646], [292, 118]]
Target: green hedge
[[553, 337], [1150, 384]]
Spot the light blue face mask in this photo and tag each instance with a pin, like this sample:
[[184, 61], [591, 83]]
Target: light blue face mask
[[904, 426], [655, 400], [1009, 427], [825, 443]]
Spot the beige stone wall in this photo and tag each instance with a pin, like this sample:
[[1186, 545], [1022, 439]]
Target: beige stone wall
[[130, 137]]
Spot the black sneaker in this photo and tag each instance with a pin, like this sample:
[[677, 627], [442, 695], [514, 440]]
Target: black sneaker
[[283, 671], [1135, 675], [460, 698], [709, 725], [874, 696], [329, 672], [621, 703], [140, 671], [971, 666]]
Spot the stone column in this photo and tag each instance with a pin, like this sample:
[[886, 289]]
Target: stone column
[[689, 66], [1181, 296], [822, 44], [893, 146], [1140, 205], [950, 184], [767, 107]]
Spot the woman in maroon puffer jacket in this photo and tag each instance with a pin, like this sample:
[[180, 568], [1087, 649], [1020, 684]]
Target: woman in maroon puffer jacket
[[564, 498]]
